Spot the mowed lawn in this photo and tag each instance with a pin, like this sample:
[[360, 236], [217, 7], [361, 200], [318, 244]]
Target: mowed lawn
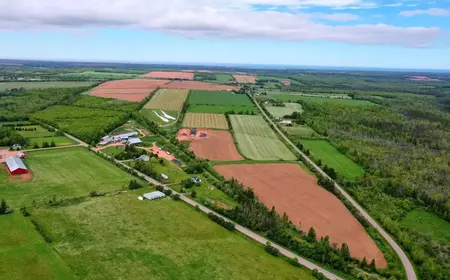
[[63, 173], [24, 255], [428, 223], [29, 85], [120, 237], [279, 112], [168, 99], [345, 167], [256, 140], [200, 120], [59, 141]]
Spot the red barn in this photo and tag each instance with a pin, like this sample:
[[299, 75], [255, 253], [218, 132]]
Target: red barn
[[16, 166]]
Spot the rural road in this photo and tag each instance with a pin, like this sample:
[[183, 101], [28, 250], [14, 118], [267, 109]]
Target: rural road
[[239, 228], [410, 273]]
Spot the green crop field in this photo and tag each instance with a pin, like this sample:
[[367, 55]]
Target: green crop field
[[168, 99], [120, 237], [59, 141], [42, 85], [25, 255], [345, 167], [256, 140], [224, 77], [204, 97], [279, 112], [300, 131], [428, 223], [293, 98], [63, 173], [101, 75], [222, 109], [150, 114]]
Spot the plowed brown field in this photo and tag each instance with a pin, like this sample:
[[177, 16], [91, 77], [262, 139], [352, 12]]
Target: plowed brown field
[[244, 79], [216, 146], [169, 75], [294, 192], [195, 85], [130, 90]]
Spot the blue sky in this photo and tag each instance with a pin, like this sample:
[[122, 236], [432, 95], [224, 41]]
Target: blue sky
[[372, 33]]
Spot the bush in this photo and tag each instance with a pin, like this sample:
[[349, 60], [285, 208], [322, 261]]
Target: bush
[[168, 192], [160, 188], [176, 197], [272, 250], [221, 221], [134, 185], [193, 194], [39, 229], [97, 193], [4, 208], [24, 212]]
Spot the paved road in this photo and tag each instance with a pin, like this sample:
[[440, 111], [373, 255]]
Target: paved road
[[410, 273]]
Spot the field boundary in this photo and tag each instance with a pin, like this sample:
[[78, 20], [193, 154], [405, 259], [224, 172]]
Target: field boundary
[[407, 265]]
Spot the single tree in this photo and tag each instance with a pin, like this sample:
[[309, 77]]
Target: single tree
[[311, 235]]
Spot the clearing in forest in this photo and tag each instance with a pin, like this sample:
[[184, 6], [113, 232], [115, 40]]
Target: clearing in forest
[[256, 140], [168, 99], [118, 237], [286, 110], [200, 120], [330, 156], [215, 145], [293, 191], [245, 79]]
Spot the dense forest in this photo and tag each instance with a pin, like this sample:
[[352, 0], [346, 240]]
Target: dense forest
[[403, 144]]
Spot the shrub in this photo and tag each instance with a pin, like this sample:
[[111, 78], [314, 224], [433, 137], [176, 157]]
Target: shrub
[[176, 197], [134, 185], [97, 193], [168, 192], [160, 188], [272, 250]]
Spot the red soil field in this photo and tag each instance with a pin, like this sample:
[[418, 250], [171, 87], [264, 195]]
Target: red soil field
[[198, 86], [216, 146], [294, 192], [245, 79], [169, 75], [132, 95], [133, 84], [286, 83]]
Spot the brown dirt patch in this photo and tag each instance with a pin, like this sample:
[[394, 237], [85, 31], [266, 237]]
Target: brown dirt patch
[[169, 75], [130, 90], [155, 150], [216, 146], [195, 85], [286, 83], [294, 192], [245, 79], [133, 84]]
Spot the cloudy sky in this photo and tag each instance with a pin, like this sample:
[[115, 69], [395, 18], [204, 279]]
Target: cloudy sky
[[363, 33]]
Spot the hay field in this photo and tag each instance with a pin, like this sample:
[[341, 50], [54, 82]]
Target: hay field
[[279, 112], [256, 140], [201, 120], [120, 237], [168, 99]]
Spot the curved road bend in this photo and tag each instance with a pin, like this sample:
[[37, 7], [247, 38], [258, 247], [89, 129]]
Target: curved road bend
[[239, 228], [410, 273]]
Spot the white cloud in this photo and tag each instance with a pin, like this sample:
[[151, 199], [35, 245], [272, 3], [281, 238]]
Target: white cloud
[[436, 12], [210, 19]]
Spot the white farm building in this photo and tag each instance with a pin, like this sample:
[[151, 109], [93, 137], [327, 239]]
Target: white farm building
[[154, 195]]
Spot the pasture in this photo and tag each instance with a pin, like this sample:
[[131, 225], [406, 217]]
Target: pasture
[[168, 99], [345, 167], [25, 255], [120, 237], [428, 223], [300, 131], [101, 75], [279, 112], [59, 141], [219, 102], [224, 78], [201, 120], [38, 131], [42, 85], [63, 173], [257, 141], [293, 191], [319, 100]]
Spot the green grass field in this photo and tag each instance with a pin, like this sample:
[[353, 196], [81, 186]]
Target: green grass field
[[25, 255], [29, 85], [149, 140], [113, 150], [101, 75], [39, 132], [60, 141], [279, 112], [345, 167], [120, 237], [428, 223], [204, 97], [218, 109], [300, 131], [294, 98], [256, 140], [149, 114], [224, 77], [64, 173]]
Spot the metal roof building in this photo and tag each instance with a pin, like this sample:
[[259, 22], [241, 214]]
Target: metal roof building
[[134, 141], [16, 166], [154, 195]]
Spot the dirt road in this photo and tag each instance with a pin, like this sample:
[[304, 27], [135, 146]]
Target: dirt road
[[410, 273]]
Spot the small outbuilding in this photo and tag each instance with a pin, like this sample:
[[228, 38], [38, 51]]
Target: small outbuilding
[[134, 141], [143, 158], [154, 195], [164, 176], [16, 166]]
